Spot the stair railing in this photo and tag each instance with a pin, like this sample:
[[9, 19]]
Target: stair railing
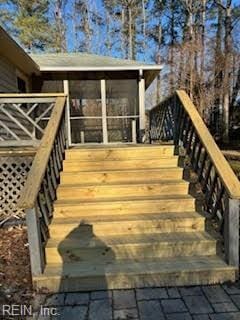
[[39, 192], [177, 119]]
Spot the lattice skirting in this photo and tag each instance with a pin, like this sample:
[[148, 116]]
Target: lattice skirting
[[13, 174]]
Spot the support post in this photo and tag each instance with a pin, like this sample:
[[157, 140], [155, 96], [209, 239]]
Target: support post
[[82, 137], [104, 111], [134, 132], [67, 115], [34, 240], [141, 90], [231, 232]]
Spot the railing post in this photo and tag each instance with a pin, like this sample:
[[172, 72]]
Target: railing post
[[141, 93], [67, 114], [231, 232], [150, 125], [34, 240], [177, 121]]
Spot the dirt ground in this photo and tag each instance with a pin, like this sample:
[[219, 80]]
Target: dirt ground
[[15, 276]]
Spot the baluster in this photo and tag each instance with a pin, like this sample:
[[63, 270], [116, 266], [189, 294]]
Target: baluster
[[47, 197], [44, 233], [192, 155], [62, 139], [55, 149], [220, 194], [183, 124], [209, 196], [49, 182], [186, 132], [59, 151], [190, 139], [202, 165], [206, 177], [41, 204], [178, 122], [196, 165], [55, 166], [52, 172]]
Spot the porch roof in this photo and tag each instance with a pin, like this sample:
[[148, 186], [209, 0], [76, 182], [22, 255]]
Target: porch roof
[[74, 62], [87, 62]]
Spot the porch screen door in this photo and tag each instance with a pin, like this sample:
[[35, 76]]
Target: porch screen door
[[85, 111], [122, 110]]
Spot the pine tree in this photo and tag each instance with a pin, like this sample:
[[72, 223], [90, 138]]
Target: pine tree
[[31, 23]]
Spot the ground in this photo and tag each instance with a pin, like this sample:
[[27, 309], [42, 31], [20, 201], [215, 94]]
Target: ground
[[219, 302], [15, 277]]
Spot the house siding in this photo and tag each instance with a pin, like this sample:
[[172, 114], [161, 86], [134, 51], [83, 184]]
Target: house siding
[[8, 84], [8, 77]]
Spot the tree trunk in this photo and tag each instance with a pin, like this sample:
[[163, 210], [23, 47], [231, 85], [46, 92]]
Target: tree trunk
[[171, 49], [191, 49], [227, 68], [144, 27], [202, 59], [130, 34]]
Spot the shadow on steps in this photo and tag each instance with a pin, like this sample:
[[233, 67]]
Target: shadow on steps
[[83, 237]]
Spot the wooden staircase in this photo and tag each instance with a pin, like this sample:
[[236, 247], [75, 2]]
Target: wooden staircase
[[123, 218]]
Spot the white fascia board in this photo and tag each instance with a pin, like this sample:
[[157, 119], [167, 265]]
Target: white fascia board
[[120, 68]]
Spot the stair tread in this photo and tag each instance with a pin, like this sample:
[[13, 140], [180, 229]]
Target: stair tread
[[135, 266], [125, 146], [126, 184], [124, 170], [87, 241], [85, 220], [161, 157], [66, 202]]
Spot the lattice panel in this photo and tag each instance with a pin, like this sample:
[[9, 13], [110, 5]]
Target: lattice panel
[[13, 174], [24, 118]]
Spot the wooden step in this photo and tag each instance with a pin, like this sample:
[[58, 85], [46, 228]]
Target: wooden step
[[119, 176], [120, 153], [125, 224], [135, 273], [94, 249], [144, 205], [122, 190], [78, 165]]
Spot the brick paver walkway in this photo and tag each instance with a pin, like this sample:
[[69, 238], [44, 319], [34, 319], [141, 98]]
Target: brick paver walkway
[[218, 302]]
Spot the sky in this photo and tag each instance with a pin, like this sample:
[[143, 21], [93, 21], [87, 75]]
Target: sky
[[100, 34]]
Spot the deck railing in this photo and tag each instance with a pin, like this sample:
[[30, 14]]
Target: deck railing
[[39, 192], [177, 119], [23, 117]]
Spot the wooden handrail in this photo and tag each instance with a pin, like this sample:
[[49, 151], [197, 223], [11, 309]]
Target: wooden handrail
[[40, 162], [222, 166]]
